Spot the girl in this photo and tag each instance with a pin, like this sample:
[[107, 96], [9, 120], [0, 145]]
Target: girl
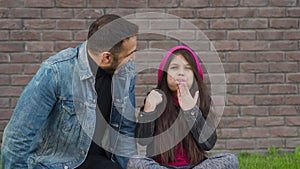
[[172, 122]]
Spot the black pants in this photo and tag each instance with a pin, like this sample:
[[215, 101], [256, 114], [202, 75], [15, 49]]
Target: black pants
[[97, 159]]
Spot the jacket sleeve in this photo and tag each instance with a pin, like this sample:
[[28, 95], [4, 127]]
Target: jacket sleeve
[[204, 134], [145, 127], [32, 110]]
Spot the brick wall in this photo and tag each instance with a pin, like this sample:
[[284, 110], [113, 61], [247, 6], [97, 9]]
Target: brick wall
[[257, 42]]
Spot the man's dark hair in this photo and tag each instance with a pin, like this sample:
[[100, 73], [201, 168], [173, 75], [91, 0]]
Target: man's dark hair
[[108, 32]]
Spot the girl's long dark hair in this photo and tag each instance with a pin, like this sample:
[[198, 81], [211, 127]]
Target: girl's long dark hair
[[194, 153]]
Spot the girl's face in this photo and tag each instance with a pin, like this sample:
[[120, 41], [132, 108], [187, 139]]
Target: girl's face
[[179, 71]]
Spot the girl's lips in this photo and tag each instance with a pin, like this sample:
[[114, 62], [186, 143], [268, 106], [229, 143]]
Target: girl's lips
[[180, 80]]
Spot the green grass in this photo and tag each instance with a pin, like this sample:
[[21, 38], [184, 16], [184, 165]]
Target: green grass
[[274, 160]]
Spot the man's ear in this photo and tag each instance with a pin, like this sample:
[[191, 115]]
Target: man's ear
[[107, 58]]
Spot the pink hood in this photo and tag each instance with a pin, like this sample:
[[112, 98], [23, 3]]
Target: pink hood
[[171, 51]]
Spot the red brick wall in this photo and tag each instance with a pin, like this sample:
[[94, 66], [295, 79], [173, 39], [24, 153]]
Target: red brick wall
[[257, 41]]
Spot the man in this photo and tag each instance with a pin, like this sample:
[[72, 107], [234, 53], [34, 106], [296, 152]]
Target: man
[[59, 121]]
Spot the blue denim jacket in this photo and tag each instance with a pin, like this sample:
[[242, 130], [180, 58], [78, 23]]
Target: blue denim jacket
[[54, 121]]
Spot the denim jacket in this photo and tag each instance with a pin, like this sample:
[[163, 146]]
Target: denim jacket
[[54, 121]]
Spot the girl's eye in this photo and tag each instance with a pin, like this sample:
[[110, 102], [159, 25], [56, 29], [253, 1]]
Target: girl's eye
[[189, 68], [173, 67]]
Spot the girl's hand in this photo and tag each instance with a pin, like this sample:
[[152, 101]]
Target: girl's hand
[[152, 100], [185, 99]]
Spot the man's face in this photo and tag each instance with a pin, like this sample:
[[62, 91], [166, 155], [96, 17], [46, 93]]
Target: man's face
[[126, 55]]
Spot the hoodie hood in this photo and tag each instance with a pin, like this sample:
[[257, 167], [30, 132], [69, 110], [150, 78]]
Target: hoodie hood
[[170, 52]]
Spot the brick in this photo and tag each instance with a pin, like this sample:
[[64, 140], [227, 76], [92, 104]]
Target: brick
[[283, 89], [25, 35], [225, 45], [283, 131], [2, 125], [283, 2], [22, 80], [4, 102], [57, 35], [10, 68], [10, 24], [269, 78], [133, 4], [151, 36], [232, 89], [80, 35], [4, 35], [293, 78], [212, 35], [283, 111], [4, 58], [254, 45], [241, 35], [224, 24], [241, 13], [211, 13], [240, 57], [241, 122], [269, 56], [293, 121], [102, 3], [230, 67], [255, 111], [31, 68], [164, 24], [198, 45], [229, 133], [240, 100], [271, 12], [39, 24], [39, 46], [224, 3], [284, 23], [194, 3], [166, 45], [253, 23], [253, 2], [165, 4], [182, 35], [292, 142], [12, 4], [5, 114], [4, 79], [63, 45], [240, 78], [270, 142], [269, 121], [192, 24], [47, 55], [270, 35], [253, 89], [283, 67], [123, 12], [269, 100], [253, 67], [220, 144], [25, 58], [241, 144], [292, 35], [88, 13], [14, 102], [230, 111], [146, 79], [255, 133], [293, 12], [71, 24], [292, 100], [4, 13], [66, 3], [25, 13], [38, 3], [182, 13], [11, 47], [10, 91], [57, 13]]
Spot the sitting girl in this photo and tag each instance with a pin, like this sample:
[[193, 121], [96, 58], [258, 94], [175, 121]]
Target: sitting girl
[[173, 121]]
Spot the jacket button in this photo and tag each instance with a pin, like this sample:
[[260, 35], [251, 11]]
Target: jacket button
[[66, 167]]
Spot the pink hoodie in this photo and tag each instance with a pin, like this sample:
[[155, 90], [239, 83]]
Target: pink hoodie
[[171, 51]]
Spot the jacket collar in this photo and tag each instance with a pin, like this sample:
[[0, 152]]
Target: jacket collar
[[83, 64]]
